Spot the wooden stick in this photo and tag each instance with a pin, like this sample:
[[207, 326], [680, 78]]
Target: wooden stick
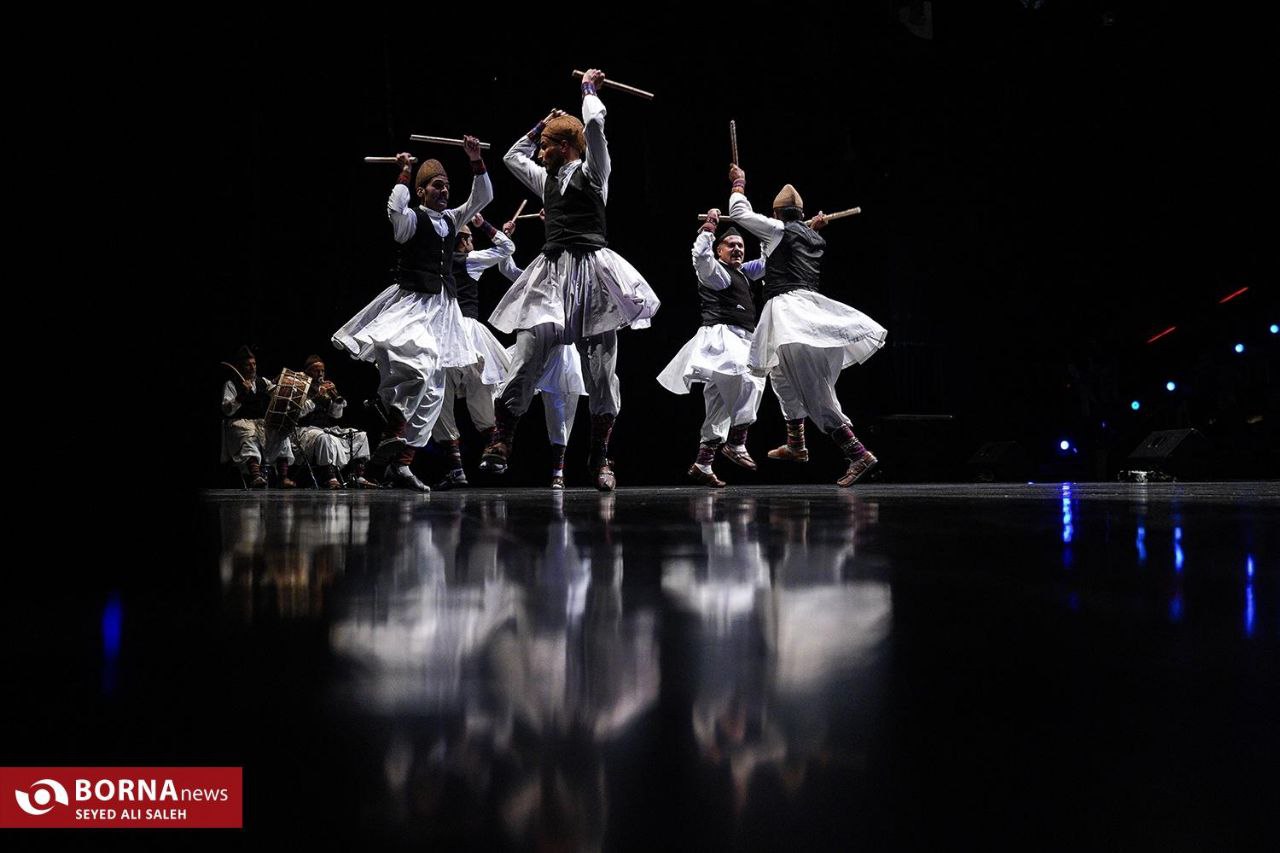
[[530, 216], [853, 211], [387, 160], [624, 87], [520, 209], [442, 140], [733, 139], [234, 370]]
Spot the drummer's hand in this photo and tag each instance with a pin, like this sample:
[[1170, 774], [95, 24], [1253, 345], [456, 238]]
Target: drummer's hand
[[248, 386], [819, 221], [736, 174], [406, 160], [713, 219], [509, 227]]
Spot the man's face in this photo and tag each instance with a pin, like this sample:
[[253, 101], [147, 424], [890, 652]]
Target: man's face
[[316, 372], [434, 194], [249, 367], [731, 251], [552, 153], [464, 242]]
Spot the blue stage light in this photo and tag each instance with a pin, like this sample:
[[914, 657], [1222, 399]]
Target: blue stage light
[[1239, 348], [1170, 386], [1135, 405], [1064, 444]]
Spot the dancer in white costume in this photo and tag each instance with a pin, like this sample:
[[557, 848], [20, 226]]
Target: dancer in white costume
[[414, 330], [477, 383], [804, 339], [577, 291], [560, 385], [717, 355]]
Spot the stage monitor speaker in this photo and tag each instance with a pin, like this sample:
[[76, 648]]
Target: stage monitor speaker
[[1180, 453]]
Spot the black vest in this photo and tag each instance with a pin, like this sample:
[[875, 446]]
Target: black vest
[[796, 262], [424, 264], [319, 416], [733, 305], [253, 407], [468, 290], [575, 220]]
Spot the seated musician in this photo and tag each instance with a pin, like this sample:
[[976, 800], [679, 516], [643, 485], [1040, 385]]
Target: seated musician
[[245, 440], [329, 447]]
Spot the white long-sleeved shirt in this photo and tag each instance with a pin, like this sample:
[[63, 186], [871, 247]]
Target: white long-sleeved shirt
[[711, 271], [479, 261], [404, 223], [520, 159], [500, 255], [765, 228], [509, 269]]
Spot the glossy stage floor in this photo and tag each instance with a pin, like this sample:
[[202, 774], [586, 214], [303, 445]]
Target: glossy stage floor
[[1060, 666]]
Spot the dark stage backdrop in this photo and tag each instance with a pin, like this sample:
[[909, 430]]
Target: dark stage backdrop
[[1043, 189]]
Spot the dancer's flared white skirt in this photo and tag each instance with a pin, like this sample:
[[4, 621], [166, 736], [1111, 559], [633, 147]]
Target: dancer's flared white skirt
[[720, 349], [593, 293], [807, 317]]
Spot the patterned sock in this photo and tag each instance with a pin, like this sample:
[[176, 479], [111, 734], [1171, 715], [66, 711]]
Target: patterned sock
[[848, 442], [706, 453], [504, 426], [795, 434], [453, 449]]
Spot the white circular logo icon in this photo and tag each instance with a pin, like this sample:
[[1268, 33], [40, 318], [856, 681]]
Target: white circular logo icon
[[38, 802]]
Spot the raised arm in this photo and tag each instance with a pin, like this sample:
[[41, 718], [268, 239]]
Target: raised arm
[[597, 165], [478, 262], [709, 270], [481, 188], [765, 228], [521, 157], [400, 205]]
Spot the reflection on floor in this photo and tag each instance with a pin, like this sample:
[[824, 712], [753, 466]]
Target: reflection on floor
[[796, 668]]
